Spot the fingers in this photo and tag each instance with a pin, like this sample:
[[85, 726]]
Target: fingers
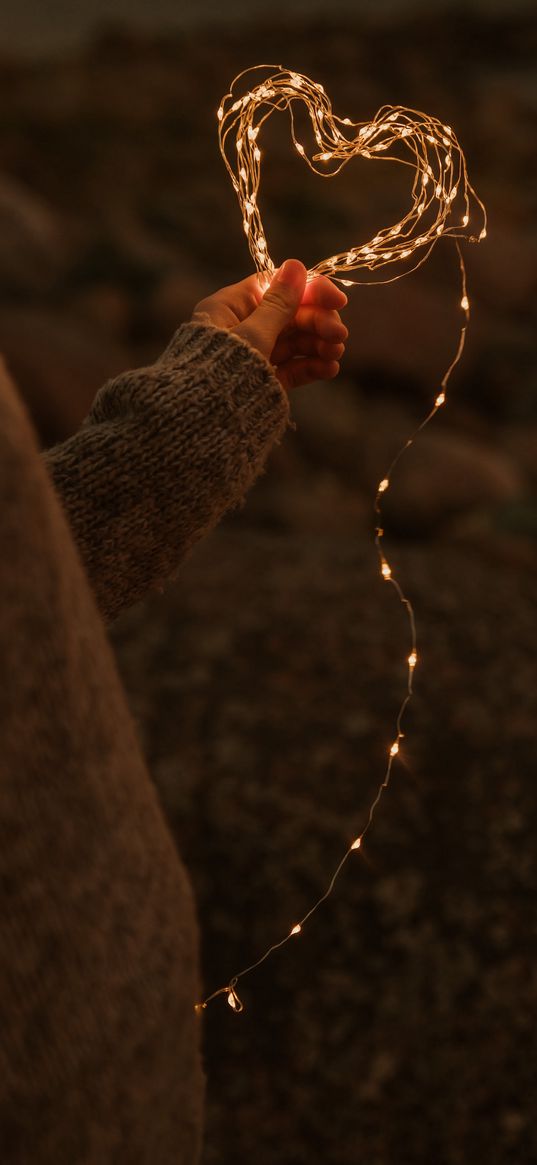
[[302, 371], [328, 325], [321, 292], [311, 347], [305, 344], [311, 327], [232, 304]]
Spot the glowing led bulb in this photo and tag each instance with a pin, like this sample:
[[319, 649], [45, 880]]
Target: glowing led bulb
[[427, 136]]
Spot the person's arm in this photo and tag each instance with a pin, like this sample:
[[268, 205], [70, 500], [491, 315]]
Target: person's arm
[[167, 449], [164, 452]]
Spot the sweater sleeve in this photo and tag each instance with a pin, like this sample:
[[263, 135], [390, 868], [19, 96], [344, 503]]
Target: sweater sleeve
[[163, 453]]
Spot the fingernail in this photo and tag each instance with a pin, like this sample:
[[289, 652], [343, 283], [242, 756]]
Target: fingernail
[[284, 273], [290, 273]]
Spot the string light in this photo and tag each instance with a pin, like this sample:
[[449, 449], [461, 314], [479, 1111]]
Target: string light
[[406, 136], [440, 182]]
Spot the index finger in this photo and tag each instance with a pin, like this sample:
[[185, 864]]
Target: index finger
[[321, 292]]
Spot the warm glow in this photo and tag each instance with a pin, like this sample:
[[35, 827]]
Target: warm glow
[[404, 136], [414, 140]]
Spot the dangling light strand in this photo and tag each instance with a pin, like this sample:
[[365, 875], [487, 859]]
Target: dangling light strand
[[440, 176]]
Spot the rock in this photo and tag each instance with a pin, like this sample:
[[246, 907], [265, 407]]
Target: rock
[[521, 443], [175, 297], [33, 248], [503, 270], [58, 364], [104, 306], [409, 329], [265, 685], [328, 420], [444, 474], [318, 504]]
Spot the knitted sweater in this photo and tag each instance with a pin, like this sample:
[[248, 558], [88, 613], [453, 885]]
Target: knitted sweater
[[100, 1049]]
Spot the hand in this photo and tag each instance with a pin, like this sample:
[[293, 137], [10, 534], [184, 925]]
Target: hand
[[295, 325]]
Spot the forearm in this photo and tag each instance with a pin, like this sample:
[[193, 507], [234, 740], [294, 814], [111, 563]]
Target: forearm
[[164, 452]]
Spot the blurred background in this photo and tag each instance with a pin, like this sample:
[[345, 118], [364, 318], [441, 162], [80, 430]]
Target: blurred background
[[400, 1028]]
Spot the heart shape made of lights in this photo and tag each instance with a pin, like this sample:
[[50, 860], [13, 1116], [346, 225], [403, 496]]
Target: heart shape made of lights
[[441, 205], [442, 196]]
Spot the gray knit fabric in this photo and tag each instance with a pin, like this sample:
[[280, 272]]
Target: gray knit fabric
[[100, 1049], [164, 452]]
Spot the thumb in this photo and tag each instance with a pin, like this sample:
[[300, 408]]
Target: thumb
[[277, 308]]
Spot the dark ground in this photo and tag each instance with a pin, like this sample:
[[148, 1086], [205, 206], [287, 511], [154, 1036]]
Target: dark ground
[[400, 1027]]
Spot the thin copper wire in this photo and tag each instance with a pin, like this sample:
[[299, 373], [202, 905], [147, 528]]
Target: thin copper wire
[[440, 183]]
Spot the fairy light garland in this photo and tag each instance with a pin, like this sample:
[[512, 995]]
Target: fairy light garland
[[442, 205]]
